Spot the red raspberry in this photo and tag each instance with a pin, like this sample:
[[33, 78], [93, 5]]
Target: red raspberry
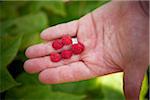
[[66, 40], [77, 48], [57, 44], [66, 54], [55, 57]]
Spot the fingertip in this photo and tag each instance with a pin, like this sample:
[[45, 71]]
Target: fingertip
[[27, 67], [42, 78], [43, 35], [27, 52]]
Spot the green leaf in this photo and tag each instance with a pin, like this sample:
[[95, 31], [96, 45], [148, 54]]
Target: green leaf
[[102, 88], [64, 96], [144, 88], [9, 9], [9, 49], [25, 24], [5, 11], [112, 86], [56, 7], [31, 7], [76, 9], [7, 81], [30, 39], [30, 25], [32, 89], [75, 87], [11, 35]]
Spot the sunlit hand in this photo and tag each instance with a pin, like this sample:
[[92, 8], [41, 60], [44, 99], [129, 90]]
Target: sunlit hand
[[115, 37]]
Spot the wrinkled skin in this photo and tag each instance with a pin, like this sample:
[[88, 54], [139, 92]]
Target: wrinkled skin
[[115, 37]]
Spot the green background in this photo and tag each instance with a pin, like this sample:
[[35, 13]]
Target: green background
[[20, 25]]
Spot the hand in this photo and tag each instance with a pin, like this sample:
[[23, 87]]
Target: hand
[[115, 37]]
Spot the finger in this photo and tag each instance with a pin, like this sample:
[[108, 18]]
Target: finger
[[39, 50], [67, 73], [60, 30], [38, 64], [42, 49]]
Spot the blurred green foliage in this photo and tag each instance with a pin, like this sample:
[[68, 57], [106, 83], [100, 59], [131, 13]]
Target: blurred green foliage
[[20, 25]]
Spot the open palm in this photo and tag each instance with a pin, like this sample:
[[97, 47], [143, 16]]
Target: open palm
[[110, 36]]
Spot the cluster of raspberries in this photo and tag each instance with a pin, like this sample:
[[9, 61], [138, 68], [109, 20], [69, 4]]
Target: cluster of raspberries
[[65, 54]]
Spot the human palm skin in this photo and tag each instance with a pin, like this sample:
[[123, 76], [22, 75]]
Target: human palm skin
[[115, 37]]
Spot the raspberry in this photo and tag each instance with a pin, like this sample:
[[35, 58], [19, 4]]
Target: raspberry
[[55, 57], [66, 54], [57, 44], [77, 48], [66, 40]]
